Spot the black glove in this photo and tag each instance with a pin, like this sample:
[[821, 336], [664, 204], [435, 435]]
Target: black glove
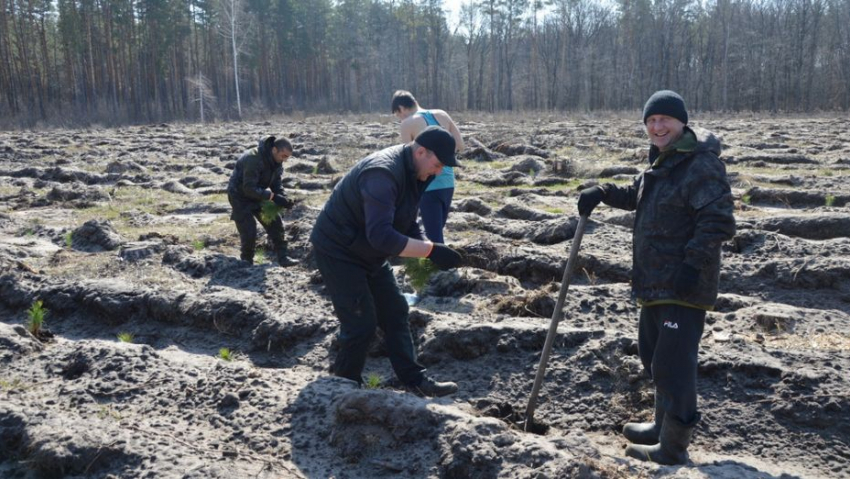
[[589, 198], [283, 201], [687, 279], [444, 257]]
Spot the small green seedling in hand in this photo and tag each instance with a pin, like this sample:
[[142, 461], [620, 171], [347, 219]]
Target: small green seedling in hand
[[269, 212], [419, 270]]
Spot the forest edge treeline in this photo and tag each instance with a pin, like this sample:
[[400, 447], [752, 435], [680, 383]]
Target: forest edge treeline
[[127, 61]]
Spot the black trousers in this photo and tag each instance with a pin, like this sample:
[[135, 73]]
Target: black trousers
[[363, 301], [246, 225], [668, 342]]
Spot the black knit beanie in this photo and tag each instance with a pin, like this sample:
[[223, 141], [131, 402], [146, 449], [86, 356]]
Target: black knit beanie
[[666, 102]]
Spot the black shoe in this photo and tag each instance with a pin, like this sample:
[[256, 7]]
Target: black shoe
[[286, 261], [646, 432], [672, 447], [283, 258], [247, 257], [430, 388]]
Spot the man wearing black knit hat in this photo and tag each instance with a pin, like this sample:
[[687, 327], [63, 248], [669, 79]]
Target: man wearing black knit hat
[[683, 206], [369, 217]]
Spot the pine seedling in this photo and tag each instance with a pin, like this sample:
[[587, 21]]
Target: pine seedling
[[69, 239], [125, 337], [225, 354], [419, 271], [373, 381], [830, 200], [260, 256], [36, 317], [198, 244], [746, 199], [269, 212]]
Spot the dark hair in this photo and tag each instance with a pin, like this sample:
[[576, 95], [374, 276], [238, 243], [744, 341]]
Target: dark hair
[[403, 98], [282, 144]]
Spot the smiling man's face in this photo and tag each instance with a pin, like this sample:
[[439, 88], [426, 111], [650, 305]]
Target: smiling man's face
[[663, 130]]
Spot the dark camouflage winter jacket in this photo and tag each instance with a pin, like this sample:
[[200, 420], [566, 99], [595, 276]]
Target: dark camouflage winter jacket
[[256, 175], [684, 213]]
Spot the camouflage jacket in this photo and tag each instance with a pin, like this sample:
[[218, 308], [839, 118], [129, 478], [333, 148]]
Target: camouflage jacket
[[683, 206]]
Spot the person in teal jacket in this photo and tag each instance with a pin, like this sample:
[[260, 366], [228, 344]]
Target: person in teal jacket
[[437, 199]]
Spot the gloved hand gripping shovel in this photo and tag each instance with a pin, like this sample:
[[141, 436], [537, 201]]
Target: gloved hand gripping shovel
[[553, 326]]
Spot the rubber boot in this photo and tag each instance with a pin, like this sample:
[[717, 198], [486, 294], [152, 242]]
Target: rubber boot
[[673, 443], [646, 432], [283, 258]]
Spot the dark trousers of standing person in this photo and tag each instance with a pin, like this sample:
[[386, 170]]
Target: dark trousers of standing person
[[363, 301], [434, 209], [668, 343]]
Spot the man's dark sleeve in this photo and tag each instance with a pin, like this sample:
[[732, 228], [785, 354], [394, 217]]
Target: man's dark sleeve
[[251, 180], [379, 193], [415, 232], [276, 186], [622, 197]]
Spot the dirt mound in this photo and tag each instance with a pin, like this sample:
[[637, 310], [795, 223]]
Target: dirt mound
[[80, 194], [95, 236]]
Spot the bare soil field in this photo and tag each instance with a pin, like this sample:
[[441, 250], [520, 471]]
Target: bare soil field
[[126, 232]]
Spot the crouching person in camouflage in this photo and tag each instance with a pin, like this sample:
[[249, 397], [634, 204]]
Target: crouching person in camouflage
[[255, 179]]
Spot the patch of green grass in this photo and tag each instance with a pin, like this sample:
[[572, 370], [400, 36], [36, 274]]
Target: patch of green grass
[[829, 200], [373, 381], [125, 337], [16, 384], [826, 173], [589, 152], [260, 256], [225, 354], [108, 412], [198, 244], [419, 271], [35, 315], [69, 239], [557, 211], [498, 165]]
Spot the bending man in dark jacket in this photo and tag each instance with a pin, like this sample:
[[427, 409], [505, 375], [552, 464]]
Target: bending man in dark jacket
[[369, 217], [683, 206], [255, 179]]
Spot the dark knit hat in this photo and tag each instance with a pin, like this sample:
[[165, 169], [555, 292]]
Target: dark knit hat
[[441, 142], [666, 102]]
